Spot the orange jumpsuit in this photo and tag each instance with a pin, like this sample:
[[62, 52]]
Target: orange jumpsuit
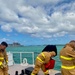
[[3, 61], [42, 58], [67, 57]]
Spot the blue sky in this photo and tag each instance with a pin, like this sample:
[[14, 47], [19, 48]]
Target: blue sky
[[37, 22]]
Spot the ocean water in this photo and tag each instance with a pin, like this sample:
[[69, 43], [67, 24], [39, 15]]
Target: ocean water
[[36, 50]]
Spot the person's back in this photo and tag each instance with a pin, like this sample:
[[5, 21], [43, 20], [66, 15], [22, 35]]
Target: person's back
[[45, 56], [67, 57]]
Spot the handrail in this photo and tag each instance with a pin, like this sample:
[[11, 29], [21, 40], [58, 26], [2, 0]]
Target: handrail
[[21, 55]]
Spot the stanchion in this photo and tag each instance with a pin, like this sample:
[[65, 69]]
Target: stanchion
[[16, 73]]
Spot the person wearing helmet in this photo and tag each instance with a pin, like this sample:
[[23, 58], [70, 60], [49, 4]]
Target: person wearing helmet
[[3, 59], [43, 58], [67, 57]]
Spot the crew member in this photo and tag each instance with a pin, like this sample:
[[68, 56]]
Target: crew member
[[43, 58], [3, 59], [67, 57]]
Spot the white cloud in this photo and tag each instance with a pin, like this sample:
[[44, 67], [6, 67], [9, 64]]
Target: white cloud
[[4, 39], [32, 17], [6, 27], [41, 2]]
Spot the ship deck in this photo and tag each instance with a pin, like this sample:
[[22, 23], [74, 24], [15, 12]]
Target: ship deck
[[19, 67]]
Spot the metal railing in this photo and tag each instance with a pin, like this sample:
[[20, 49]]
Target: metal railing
[[32, 53]]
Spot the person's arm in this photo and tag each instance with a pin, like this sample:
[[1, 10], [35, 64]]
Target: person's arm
[[38, 63], [71, 52], [5, 56], [47, 57]]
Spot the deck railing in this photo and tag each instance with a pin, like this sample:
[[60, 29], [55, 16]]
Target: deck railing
[[21, 53]]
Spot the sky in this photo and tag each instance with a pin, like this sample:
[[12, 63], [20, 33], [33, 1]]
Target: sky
[[37, 22]]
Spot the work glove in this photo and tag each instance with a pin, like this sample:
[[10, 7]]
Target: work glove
[[46, 72], [33, 74]]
